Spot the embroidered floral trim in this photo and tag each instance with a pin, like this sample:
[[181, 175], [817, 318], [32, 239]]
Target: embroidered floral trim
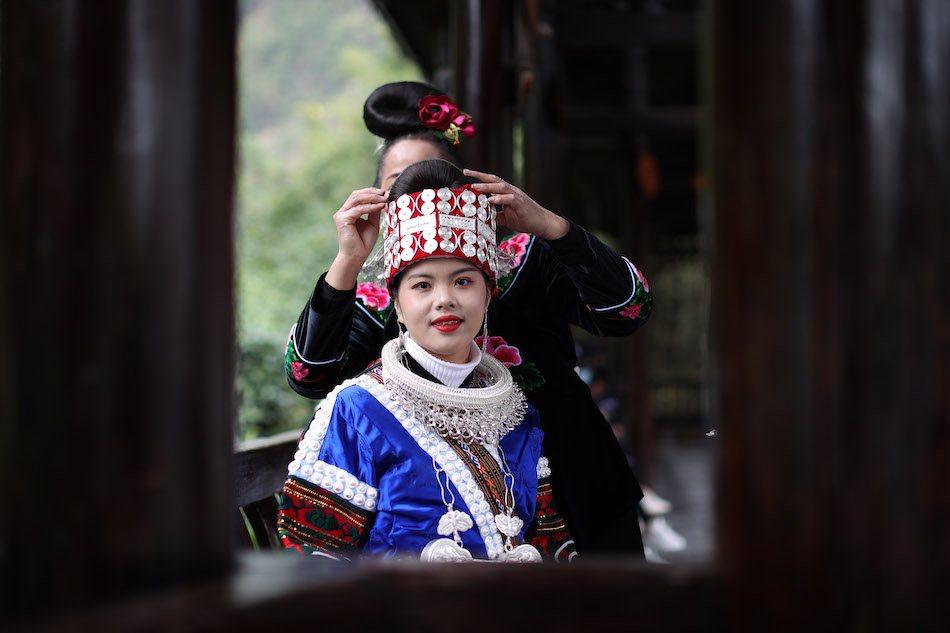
[[549, 533], [373, 296], [293, 365], [496, 346], [631, 312], [304, 371], [525, 374], [516, 246], [638, 274], [312, 520], [641, 304], [299, 371], [514, 250]]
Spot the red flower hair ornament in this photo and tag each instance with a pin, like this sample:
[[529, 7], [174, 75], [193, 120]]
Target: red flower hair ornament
[[440, 113]]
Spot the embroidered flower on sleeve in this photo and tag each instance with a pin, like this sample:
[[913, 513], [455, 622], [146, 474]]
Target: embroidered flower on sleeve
[[373, 296], [639, 275], [294, 365], [516, 247], [298, 370], [631, 312], [509, 355]]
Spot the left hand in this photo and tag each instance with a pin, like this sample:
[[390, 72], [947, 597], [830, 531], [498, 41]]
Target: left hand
[[517, 210]]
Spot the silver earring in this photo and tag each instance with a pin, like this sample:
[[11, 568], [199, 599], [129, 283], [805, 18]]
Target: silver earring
[[485, 334], [402, 332]]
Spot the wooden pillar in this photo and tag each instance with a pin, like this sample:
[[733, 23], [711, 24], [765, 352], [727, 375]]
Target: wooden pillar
[[831, 312], [116, 326], [484, 81], [538, 96]]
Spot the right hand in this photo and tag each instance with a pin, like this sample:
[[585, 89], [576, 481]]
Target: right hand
[[355, 235]]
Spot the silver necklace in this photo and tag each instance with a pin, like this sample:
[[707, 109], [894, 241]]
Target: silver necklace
[[452, 550], [482, 414]]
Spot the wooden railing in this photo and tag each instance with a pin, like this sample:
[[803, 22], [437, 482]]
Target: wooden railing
[[260, 467]]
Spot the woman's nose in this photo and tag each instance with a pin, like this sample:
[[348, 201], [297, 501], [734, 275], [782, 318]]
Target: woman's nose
[[446, 296]]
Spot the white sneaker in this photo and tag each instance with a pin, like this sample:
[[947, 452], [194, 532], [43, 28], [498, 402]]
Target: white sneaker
[[653, 504], [661, 537], [653, 557]]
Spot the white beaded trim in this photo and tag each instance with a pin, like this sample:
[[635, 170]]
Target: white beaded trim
[[455, 468], [308, 465], [544, 470]]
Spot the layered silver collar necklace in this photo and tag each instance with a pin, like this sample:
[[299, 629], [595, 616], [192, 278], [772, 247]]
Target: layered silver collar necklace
[[480, 414]]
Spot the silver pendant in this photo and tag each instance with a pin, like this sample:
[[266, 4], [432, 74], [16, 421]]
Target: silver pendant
[[453, 522], [444, 550], [508, 525], [524, 553]]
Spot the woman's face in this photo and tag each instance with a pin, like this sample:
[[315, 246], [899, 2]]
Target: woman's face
[[402, 154], [442, 302]]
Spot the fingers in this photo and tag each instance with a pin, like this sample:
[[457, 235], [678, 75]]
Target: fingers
[[483, 176], [500, 191], [504, 199], [371, 195], [353, 215], [360, 202], [491, 184], [373, 216]]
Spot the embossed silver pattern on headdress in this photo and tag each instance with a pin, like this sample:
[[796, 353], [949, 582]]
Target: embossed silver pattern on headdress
[[438, 223]]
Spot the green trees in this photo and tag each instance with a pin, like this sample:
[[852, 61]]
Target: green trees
[[305, 69]]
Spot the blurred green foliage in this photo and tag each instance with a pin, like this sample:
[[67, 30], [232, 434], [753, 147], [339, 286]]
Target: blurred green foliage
[[305, 68]]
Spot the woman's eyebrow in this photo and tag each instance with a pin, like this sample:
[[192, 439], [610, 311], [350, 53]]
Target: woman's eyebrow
[[458, 271]]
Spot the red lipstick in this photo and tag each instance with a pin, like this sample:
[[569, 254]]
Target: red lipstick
[[448, 323]]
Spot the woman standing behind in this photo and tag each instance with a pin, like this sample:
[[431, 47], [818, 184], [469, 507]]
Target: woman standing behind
[[560, 276], [433, 451]]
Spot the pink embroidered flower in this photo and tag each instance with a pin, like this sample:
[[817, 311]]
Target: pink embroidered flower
[[516, 247], [373, 296], [509, 355], [639, 275], [631, 312], [299, 371]]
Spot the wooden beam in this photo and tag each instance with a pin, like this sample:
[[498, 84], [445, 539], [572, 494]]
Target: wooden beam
[[276, 592]]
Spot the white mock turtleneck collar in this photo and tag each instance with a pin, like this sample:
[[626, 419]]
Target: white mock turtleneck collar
[[449, 374]]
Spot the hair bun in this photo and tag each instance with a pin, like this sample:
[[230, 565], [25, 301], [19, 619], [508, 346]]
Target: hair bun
[[393, 109]]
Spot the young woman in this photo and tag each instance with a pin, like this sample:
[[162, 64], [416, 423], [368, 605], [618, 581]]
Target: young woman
[[561, 275], [433, 451]]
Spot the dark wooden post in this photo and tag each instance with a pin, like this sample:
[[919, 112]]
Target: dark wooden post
[[116, 326], [484, 81], [831, 312]]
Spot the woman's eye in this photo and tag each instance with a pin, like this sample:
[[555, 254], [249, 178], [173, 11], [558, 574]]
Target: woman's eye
[[422, 285], [462, 282]]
